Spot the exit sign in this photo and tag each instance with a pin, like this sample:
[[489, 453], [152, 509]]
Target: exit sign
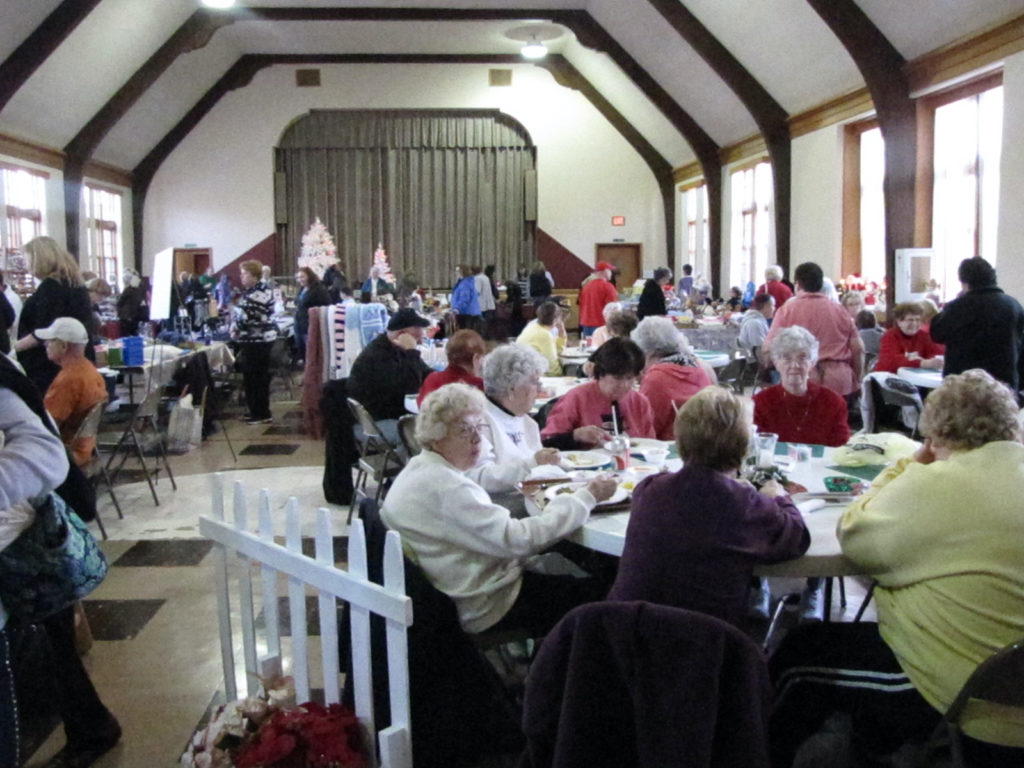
[[618, 221]]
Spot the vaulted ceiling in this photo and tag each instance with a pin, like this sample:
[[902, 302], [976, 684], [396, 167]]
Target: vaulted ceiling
[[120, 81]]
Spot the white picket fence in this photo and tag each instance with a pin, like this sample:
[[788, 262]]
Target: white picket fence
[[241, 548]]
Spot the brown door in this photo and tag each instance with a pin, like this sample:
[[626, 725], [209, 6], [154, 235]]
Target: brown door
[[626, 258], [192, 260]]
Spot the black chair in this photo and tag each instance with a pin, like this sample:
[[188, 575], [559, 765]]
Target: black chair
[[459, 709], [378, 458], [890, 392], [407, 434]]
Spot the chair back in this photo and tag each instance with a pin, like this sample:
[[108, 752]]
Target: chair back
[[150, 405], [897, 391], [364, 419], [732, 374], [90, 425], [407, 433]]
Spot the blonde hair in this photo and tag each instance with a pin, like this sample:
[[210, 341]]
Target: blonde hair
[[713, 429], [445, 406], [100, 286], [969, 410], [49, 259]]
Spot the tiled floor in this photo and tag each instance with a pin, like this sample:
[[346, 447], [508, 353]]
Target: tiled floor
[[156, 658]]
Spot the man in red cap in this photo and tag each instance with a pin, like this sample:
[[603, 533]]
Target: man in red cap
[[594, 295]]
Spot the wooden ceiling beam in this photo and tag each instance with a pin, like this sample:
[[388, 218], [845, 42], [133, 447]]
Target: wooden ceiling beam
[[884, 71], [771, 119]]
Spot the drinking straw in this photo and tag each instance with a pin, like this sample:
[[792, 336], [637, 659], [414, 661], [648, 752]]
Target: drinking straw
[[615, 420]]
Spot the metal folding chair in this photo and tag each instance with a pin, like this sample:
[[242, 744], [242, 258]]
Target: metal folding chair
[[407, 434], [378, 457], [96, 468], [133, 441]]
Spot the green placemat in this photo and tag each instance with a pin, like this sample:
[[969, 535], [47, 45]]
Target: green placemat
[[869, 472], [782, 449]]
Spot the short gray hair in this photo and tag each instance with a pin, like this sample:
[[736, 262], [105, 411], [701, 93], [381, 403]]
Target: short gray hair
[[774, 272], [445, 406], [657, 336], [507, 366], [795, 338]]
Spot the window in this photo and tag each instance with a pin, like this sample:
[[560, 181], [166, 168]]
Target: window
[[695, 236], [24, 200], [965, 195], [103, 228], [751, 223], [872, 206]]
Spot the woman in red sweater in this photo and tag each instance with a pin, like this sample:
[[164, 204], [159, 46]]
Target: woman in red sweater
[[465, 352], [796, 409], [907, 344]]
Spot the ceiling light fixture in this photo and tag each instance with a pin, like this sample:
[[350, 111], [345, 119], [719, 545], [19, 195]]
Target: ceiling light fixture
[[218, 3], [534, 50]]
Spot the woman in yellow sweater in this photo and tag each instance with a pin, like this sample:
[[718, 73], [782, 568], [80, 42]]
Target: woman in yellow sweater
[[546, 334], [942, 535]]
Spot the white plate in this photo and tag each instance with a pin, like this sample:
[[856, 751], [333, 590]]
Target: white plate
[[621, 494], [585, 460], [637, 444]]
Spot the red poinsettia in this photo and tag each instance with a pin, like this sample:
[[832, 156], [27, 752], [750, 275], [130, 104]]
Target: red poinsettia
[[307, 736]]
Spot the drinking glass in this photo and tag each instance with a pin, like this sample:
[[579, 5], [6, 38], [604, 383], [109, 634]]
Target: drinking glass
[[765, 444]]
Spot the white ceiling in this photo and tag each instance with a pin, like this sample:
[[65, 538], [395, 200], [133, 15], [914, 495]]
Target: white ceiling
[[783, 43]]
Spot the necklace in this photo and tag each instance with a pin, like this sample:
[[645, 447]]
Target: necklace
[[795, 423]]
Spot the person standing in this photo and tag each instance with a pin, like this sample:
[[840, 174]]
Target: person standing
[[486, 293], [465, 299], [685, 283], [841, 354], [597, 292], [982, 327], [652, 300], [132, 307], [312, 293], [256, 332], [774, 286]]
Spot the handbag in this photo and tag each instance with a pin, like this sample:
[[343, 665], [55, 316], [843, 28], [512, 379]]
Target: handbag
[[53, 563]]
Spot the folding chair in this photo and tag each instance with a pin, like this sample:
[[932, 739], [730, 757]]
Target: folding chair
[[378, 458], [892, 390], [731, 375], [281, 363], [143, 422], [96, 468], [215, 418], [407, 434]]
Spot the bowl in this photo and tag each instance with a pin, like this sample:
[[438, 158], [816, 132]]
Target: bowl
[[654, 455]]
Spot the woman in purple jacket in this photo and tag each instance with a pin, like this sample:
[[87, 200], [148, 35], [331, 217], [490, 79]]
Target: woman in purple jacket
[[695, 535]]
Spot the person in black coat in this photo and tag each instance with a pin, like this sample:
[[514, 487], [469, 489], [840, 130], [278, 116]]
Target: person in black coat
[[983, 327], [313, 293], [60, 294], [652, 300]]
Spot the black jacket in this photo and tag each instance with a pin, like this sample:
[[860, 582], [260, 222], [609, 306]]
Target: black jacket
[[383, 375], [652, 300], [983, 328]]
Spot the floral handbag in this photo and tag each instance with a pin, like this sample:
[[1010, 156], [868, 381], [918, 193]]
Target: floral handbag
[[54, 562]]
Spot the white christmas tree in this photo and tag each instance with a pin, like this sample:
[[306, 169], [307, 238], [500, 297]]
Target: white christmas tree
[[380, 261], [318, 249]]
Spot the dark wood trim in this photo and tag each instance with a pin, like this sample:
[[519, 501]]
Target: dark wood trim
[[770, 117], [962, 91], [31, 153], [883, 69], [851, 260], [963, 57], [38, 46], [107, 174], [925, 188]]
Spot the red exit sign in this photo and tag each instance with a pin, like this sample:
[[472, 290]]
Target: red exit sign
[[618, 221]]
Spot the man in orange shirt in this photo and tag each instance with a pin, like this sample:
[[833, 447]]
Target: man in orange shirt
[[595, 293], [78, 386]]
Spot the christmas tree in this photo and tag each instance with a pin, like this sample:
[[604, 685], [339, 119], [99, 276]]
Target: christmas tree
[[380, 261], [318, 249]]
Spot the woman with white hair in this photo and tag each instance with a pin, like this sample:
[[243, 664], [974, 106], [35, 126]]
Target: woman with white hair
[[511, 446], [797, 409], [470, 548], [673, 373], [602, 334]]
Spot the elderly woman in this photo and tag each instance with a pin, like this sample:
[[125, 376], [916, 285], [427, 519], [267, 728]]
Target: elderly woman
[[465, 351], [940, 533], [652, 299], [612, 309], [587, 415], [255, 332], [511, 444], [546, 334], [312, 293], [470, 548], [673, 373], [695, 535], [59, 294], [907, 344], [797, 409], [853, 302]]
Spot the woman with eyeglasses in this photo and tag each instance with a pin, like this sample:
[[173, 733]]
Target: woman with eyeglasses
[[797, 409], [472, 549], [907, 344]]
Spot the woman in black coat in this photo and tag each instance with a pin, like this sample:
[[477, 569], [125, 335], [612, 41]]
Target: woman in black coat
[[313, 294], [60, 294], [652, 300]]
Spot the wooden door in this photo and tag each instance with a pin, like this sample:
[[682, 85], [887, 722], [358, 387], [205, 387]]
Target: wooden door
[[195, 261], [626, 258]]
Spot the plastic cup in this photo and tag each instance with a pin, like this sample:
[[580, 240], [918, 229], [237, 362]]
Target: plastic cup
[[765, 449]]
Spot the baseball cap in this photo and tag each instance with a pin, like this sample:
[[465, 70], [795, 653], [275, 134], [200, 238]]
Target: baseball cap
[[407, 318], [65, 329], [604, 265]]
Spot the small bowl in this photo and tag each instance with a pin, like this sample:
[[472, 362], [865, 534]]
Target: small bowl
[[654, 455]]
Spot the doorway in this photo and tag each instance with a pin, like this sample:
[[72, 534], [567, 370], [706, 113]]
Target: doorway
[[626, 258], [195, 261]]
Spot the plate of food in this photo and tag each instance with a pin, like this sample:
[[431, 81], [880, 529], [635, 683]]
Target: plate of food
[[585, 460], [637, 444], [620, 495]]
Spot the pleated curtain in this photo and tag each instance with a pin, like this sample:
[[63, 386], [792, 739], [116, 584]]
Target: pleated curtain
[[436, 188]]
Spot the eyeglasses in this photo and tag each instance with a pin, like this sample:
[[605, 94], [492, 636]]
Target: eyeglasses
[[469, 431], [795, 359]]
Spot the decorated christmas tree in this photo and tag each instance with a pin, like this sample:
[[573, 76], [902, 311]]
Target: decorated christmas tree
[[318, 249], [380, 261]]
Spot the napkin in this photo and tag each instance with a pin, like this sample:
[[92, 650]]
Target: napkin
[[547, 472]]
